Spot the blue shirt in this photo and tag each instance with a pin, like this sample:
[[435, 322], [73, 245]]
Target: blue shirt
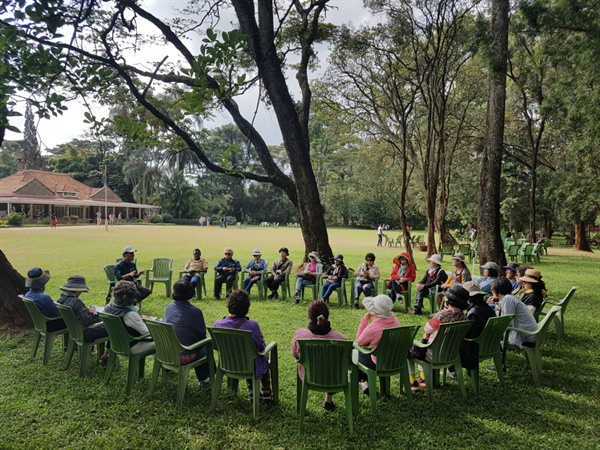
[[228, 263], [43, 301], [259, 266], [188, 322]]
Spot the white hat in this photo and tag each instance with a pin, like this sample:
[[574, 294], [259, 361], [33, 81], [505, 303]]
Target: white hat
[[380, 306], [256, 252], [128, 249], [435, 259], [315, 255]]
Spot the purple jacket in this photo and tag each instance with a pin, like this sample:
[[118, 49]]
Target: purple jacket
[[261, 364]]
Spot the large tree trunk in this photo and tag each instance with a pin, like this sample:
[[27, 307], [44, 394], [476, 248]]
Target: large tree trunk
[[581, 241], [488, 211], [12, 310]]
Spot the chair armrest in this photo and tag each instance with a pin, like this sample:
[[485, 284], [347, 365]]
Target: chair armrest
[[420, 344], [519, 330], [365, 351], [268, 348], [94, 325], [143, 336], [197, 344], [48, 319]]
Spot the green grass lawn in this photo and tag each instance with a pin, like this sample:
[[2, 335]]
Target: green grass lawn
[[47, 407]]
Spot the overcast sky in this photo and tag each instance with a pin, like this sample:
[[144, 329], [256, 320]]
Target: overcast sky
[[70, 125]]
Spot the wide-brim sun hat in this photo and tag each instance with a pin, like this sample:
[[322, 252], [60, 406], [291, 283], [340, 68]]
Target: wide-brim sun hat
[[435, 259], [256, 252], [459, 256], [75, 283], [315, 255], [491, 265], [458, 296], [473, 288], [379, 306], [37, 278], [532, 276]]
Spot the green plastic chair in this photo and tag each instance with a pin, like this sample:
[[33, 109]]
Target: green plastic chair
[[40, 322], [559, 318], [160, 272], [315, 288], [465, 249], [534, 354], [512, 254], [328, 367], [444, 353], [340, 292], [235, 284], [76, 339], [490, 346], [109, 270], [536, 254], [447, 249], [391, 360], [200, 287], [526, 253], [168, 351], [406, 295], [120, 348], [236, 361], [286, 290]]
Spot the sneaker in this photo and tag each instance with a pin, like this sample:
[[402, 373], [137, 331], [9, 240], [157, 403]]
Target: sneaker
[[266, 394], [296, 293], [364, 387], [415, 386], [421, 382], [297, 299], [417, 312], [355, 304], [328, 406], [103, 361], [205, 385], [271, 297], [217, 297], [490, 368], [451, 375], [276, 296]]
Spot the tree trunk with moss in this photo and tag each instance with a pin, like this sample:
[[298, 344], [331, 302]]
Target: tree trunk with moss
[[12, 284]]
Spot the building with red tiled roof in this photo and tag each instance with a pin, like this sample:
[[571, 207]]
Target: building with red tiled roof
[[37, 194]]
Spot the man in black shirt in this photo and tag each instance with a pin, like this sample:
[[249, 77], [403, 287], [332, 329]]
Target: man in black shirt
[[127, 270]]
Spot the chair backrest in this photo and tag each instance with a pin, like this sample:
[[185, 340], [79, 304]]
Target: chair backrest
[[73, 324], [393, 347], [39, 320], [490, 338], [527, 249], [565, 301], [236, 351], [162, 267], [448, 248], [446, 344], [544, 325], [168, 347], [119, 337], [326, 362], [465, 249], [513, 251], [109, 270]]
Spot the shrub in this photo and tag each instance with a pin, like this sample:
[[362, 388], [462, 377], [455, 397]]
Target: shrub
[[167, 218], [185, 221], [15, 219], [44, 220], [156, 219]]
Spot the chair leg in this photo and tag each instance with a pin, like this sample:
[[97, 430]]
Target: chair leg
[[349, 409], [298, 392], [110, 366], [84, 357], [274, 366], [255, 396], [405, 381], [155, 373], [372, 377], [303, 400], [216, 389], [69, 353], [48, 344], [499, 367], [461, 378], [37, 336], [184, 372], [475, 377]]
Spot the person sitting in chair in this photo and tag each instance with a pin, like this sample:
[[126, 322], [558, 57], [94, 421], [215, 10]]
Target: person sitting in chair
[[238, 305], [366, 275], [123, 305], [403, 273], [281, 268], [255, 268], [36, 282], [434, 276], [310, 272], [460, 275], [194, 267], [226, 269], [334, 277], [126, 269]]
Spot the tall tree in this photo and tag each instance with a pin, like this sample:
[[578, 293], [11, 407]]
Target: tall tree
[[253, 55], [488, 210], [31, 157]]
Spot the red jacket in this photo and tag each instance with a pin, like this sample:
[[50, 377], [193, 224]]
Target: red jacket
[[411, 273]]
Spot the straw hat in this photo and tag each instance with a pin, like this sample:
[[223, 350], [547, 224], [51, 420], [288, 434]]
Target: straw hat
[[532, 276]]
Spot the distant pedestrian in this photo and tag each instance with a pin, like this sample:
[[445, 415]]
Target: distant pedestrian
[[379, 235], [53, 221]]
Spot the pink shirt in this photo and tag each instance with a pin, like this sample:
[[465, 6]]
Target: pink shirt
[[305, 333], [369, 334]]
